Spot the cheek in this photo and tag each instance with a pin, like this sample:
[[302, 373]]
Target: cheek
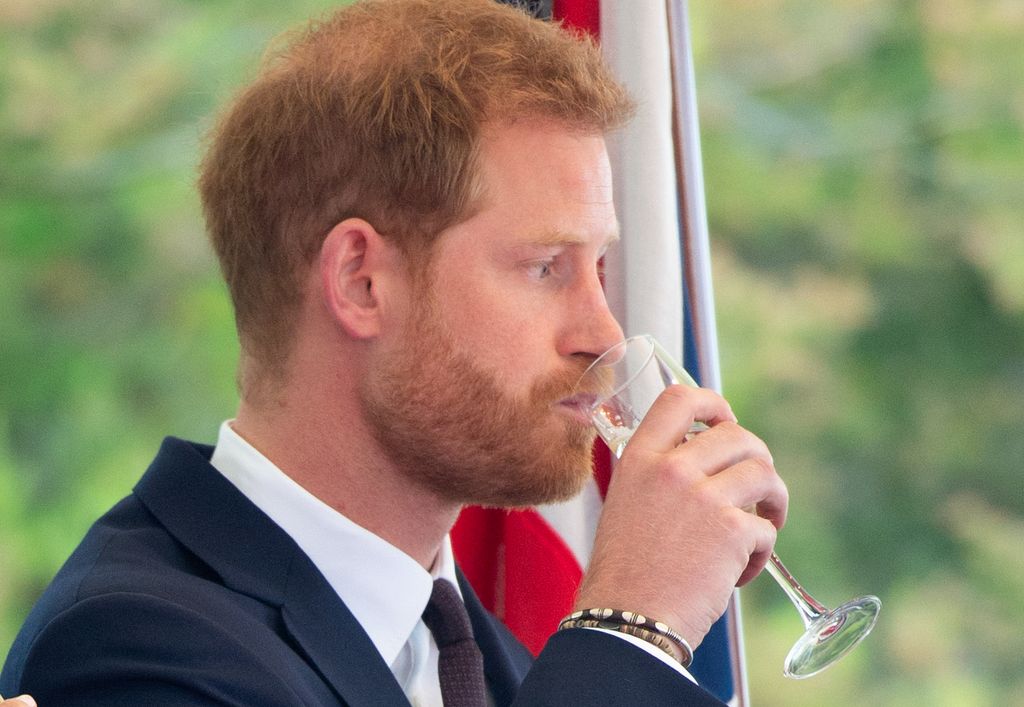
[[508, 337]]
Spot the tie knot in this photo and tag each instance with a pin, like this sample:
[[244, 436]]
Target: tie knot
[[446, 615]]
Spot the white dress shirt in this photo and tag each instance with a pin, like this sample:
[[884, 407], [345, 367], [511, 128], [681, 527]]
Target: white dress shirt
[[384, 588]]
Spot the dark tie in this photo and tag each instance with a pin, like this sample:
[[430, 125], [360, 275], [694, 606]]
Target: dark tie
[[460, 665]]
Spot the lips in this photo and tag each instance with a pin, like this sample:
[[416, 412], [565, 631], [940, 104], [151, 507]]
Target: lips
[[580, 405]]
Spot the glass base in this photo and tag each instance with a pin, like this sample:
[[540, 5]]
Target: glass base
[[831, 636]]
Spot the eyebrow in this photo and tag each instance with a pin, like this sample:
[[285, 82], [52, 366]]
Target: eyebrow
[[561, 238]]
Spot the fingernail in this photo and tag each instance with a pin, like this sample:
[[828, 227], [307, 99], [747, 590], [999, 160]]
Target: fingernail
[[27, 699]]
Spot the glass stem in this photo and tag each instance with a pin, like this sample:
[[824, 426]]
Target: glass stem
[[808, 607]]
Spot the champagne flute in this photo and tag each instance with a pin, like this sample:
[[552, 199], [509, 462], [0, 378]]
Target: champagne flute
[[624, 382]]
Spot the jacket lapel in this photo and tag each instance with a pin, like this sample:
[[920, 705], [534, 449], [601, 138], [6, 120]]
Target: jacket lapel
[[334, 640], [254, 556]]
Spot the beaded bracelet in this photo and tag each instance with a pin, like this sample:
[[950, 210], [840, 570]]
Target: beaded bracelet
[[654, 632]]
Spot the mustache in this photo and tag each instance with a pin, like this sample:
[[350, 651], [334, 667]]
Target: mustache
[[567, 382], [557, 385]]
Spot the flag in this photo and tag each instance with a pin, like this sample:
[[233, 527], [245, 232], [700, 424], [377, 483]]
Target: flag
[[527, 564]]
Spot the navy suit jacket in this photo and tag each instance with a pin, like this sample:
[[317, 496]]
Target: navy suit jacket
[[185, 593]]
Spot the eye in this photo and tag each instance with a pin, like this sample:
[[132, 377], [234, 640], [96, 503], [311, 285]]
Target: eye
[[541, 269]]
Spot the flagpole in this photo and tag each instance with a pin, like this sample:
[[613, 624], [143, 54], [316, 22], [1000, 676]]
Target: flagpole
[[693, 207], [696, 249]]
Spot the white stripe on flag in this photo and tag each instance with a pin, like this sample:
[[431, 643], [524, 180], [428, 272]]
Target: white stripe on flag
[[644, 273]]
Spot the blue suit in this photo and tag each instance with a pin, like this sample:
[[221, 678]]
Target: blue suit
[[185, 593]]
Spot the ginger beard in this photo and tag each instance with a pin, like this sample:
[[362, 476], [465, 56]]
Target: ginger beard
[[455, 431]]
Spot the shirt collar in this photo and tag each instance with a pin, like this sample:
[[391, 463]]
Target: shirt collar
[[384, 588]]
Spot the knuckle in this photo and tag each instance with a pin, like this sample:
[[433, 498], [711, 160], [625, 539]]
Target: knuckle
[[726, 429], [704, 495], [734, 522], [763, 467], [671, 473], [742, 435], [759, 446], [756, 445], [678, 394]]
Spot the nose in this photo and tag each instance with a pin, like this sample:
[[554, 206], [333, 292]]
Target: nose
[[592, 328]]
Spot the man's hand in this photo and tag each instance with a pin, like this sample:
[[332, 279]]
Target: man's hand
[[19, 701], [677, 533]]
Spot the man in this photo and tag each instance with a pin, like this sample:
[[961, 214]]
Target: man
[[410, 205]]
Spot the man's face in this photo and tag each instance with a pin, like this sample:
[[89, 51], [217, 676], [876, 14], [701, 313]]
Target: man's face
[[472, 399]]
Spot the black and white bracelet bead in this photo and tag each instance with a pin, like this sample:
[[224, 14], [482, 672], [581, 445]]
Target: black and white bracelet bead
[[634, 624]]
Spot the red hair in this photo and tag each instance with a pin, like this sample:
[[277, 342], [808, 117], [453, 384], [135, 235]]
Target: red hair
[[376, 112]]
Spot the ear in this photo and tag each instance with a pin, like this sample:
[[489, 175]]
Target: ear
[[355, 263]]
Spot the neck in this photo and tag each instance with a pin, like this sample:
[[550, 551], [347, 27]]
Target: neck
[[317, 437]]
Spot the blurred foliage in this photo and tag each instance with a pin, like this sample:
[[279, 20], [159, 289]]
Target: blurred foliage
[[864, 164], [116, 326], [865, 169]]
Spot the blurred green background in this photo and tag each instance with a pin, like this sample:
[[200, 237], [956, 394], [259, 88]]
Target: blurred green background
[[865, 177]]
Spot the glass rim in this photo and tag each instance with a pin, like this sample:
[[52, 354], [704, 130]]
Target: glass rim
[[602, 362]]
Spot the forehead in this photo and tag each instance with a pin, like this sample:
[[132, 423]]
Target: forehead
[[546, 154], [542, 181]]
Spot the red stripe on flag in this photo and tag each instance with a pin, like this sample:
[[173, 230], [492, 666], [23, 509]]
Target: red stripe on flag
[[542, 575], [478, 541], [520, 568], [581, 14]]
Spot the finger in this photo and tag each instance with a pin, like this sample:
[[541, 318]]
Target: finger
[[762, 535], [754, 484], [673, 414], [722, 446]]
